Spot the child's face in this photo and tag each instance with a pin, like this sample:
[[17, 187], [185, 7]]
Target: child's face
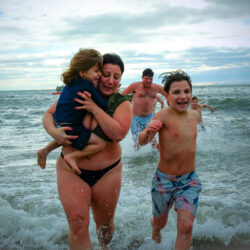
[[194, 103], [93, 75], [180, 95]]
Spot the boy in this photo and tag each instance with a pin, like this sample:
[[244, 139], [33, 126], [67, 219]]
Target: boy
[[198, 107], [175, 180]]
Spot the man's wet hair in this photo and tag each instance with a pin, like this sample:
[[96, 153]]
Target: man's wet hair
[[169, 77], [148, 72], [195, 98]]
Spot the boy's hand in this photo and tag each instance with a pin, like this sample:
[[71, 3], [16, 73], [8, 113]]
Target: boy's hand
[[148, 133], [153, 126]]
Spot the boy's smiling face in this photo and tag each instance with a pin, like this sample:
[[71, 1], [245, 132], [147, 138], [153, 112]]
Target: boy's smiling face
[[194, 103], [179, 96]]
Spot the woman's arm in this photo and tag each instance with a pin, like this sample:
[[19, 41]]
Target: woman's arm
[[57, 133], [115, 127]]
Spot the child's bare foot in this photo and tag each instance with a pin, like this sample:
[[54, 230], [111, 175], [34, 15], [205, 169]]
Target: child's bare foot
[[72, 163], [41, 157], [156, 234]]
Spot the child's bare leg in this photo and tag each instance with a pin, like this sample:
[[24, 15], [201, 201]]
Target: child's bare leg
[[185, 222], [158, 223], [95, 144], [43, 153]]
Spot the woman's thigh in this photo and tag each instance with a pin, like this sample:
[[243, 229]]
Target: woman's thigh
[[74, 193], [105, 195]]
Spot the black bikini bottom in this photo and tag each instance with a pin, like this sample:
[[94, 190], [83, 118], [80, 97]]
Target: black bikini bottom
[[92, 177]]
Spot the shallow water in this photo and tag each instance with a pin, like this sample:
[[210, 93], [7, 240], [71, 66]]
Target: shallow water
[[31, 216]]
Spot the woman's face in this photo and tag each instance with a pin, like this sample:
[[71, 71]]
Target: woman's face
[[110, 79]]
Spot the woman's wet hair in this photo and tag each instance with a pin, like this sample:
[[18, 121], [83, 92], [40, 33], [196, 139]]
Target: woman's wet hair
[[113, 58], [174, 76]]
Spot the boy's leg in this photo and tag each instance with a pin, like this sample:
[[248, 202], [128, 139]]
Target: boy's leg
[[185, 222], [186, 204], [43, 153], [158, 223], [95, 144]]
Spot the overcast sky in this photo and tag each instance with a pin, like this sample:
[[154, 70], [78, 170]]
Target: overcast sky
[[209, 39]]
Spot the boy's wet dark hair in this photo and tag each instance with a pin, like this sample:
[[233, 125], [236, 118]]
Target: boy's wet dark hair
[[148, 72], [113, 58], [169, 77]]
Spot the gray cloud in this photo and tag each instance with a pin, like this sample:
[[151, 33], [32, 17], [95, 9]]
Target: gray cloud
[[135, 36], [127, 27]]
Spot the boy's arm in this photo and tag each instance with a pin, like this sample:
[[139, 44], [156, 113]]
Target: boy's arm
[[207, 106], [149, 132]]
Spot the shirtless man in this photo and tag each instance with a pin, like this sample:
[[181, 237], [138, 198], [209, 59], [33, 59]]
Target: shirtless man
[[144, 101], [175, 181]]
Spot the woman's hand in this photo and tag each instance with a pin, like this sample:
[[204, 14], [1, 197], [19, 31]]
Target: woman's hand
[[87, 104], [59, 134], [62, 138]]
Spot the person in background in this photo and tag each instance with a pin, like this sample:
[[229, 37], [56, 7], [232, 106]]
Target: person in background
[[175, 180], [198, 107], [195, 105], [98, 186], [143, 104]]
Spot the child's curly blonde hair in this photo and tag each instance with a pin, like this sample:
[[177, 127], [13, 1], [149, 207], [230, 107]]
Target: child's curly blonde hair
[[83, 60]]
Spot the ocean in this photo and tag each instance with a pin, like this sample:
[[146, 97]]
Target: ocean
[[31, 215]]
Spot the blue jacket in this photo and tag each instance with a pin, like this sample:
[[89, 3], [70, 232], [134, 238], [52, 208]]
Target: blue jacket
[[65, 109]]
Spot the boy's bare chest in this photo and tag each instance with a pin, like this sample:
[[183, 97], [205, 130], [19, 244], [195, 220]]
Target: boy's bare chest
[[181, 131]]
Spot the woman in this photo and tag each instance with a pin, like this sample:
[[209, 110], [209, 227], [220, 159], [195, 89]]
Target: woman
[[76, 195]]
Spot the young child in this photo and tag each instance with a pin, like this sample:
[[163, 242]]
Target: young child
[[175, 180], [198, 107], [82, 75]]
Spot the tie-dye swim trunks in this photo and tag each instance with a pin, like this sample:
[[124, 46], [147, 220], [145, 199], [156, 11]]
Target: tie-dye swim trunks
[[183, 190]]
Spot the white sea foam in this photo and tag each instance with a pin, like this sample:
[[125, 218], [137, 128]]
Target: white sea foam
[[31, 215]]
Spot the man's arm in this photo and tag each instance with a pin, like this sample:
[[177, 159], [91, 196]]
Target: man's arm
[[129, 89], [207, 106], [149, 132], [158, 99], [162, 91]]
